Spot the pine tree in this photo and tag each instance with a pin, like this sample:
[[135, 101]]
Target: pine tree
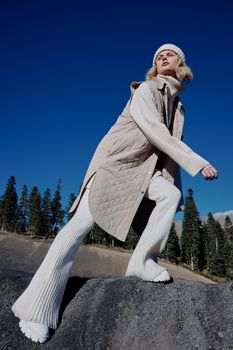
[[211, 229], [35, 217], [46, 214], [229, 264], [216, 264], [72, 198], [1, 212], [96, 236], [228, 228], [211, 246], [203, 245], [88, 238], [190, 238], [172, 248], [131, 240], [220, 268], [57, 213], [220, 239], [228, 248], [21, 225], [9, 206], [215, 258]]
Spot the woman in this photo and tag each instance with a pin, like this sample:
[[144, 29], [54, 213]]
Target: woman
[[139, 157]]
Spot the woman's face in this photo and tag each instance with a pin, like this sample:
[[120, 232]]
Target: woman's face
[[166, 62]]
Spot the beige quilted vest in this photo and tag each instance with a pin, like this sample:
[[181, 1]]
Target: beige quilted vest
[[124, 164]]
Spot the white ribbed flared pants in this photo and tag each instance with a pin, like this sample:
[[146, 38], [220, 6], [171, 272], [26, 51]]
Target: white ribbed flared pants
[[40, 302], [143, 262]]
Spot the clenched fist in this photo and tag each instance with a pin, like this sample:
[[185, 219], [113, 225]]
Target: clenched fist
[[209, 172]]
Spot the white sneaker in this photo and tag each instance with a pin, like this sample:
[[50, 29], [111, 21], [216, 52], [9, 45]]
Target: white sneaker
[[35, 331], [149, 271], [162, 277]]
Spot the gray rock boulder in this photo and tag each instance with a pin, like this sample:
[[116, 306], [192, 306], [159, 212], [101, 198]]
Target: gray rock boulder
[[127, 313]]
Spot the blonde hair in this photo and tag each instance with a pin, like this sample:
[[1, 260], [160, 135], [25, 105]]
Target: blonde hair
[[183, 72]]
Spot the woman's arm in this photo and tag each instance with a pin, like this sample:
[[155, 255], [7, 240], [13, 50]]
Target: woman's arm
[[144, 112]]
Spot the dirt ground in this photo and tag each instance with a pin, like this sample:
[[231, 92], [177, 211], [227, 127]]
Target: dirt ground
[[23, 253]]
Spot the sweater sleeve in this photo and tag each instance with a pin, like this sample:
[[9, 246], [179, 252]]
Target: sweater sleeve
[[145, 114]]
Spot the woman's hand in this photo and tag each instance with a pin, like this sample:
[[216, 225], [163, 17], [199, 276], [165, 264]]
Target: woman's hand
[[209, 172]]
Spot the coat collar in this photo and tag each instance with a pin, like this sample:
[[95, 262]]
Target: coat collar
[[160, 85], [135, 84], [159, 82]]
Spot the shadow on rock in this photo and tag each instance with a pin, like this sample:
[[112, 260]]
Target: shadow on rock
[[74, 284]]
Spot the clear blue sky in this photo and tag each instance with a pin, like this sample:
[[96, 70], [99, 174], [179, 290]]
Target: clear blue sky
[[65, 72]]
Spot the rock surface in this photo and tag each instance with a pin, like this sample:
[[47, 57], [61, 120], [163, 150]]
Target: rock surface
[[127, 313]]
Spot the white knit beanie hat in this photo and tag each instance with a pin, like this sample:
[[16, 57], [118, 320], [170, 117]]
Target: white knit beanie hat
[[172, 47]]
